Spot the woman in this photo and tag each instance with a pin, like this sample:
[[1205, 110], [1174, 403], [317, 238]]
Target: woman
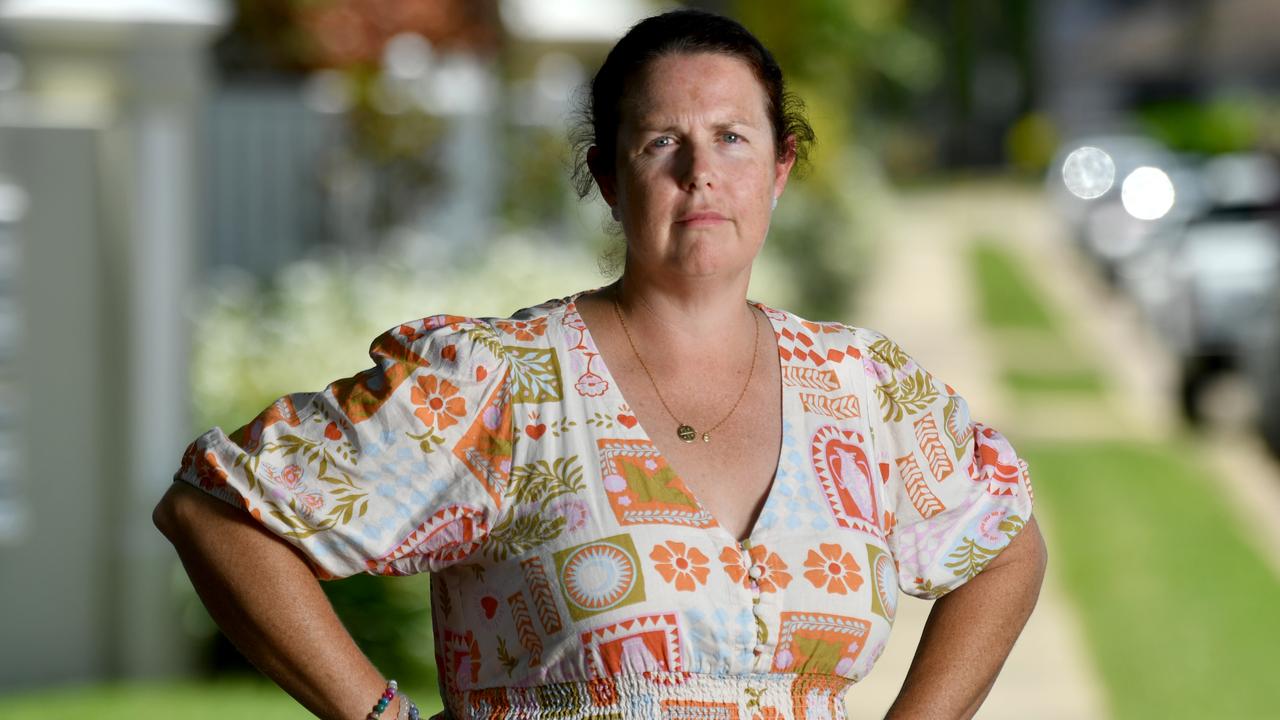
[[654, 498]]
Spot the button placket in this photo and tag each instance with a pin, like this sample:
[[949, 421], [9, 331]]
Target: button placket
[[750, 590], [756, 571]]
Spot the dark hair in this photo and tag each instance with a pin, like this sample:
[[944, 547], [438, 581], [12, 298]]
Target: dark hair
[[673, 33]]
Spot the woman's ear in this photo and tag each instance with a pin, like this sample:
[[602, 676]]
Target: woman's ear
[[785, 161], [603, 176]]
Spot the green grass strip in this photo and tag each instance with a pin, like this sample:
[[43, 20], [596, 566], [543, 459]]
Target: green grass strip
[[217, 700], [1182, 615], [1006, 299], [1073, 382]]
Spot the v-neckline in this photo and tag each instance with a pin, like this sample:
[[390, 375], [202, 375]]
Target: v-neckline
[[571, 307]]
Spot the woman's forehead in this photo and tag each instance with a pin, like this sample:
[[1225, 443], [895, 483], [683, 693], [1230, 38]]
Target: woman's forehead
[[716, 88]]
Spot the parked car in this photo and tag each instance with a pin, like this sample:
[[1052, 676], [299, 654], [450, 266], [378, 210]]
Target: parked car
[[1223, 272], [1205, 283], [1116, 191], [1261, 367], [1194, 242]]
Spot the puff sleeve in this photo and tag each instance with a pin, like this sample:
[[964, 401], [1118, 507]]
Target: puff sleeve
[[396, 470], [958, 492]]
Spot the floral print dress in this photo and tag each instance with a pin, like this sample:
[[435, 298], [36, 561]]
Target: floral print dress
[[573, 573]]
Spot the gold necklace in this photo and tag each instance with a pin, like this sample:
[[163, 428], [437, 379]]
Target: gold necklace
[[683, 430]]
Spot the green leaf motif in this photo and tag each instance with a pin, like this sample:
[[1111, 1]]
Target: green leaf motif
[[520, 533], [250, 465], [343, 498], [950, 420], [427, 440], [909, 396], [1012, 525], [888, 352], [508, 662], [762, 631], [562, 426], [295, 521], [927, 588], [970, 558], [486, 337], [545, 481], [535, 374]]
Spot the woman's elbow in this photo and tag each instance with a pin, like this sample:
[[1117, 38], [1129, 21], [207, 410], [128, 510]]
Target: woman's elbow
[[162, 516], [179, 509]]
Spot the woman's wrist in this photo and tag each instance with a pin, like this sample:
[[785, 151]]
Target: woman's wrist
[[388, 700]]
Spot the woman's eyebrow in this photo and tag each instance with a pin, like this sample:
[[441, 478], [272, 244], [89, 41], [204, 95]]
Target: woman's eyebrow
[[644, 125]]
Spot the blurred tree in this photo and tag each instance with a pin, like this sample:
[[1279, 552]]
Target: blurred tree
[[842, 59], [987, 47], [285, 41], [293, 37]]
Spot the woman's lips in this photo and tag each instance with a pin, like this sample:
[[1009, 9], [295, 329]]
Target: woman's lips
[[698, 219]]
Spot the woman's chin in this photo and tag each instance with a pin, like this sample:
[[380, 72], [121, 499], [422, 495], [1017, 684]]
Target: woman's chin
[[711, 262]]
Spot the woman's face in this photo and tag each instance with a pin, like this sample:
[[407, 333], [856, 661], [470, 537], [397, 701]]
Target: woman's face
[[696, 170]]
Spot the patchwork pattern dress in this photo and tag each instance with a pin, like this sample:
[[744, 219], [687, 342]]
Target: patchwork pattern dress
[[574, 574]]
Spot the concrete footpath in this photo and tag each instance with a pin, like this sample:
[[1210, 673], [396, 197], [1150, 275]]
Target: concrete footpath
[[921, 295]]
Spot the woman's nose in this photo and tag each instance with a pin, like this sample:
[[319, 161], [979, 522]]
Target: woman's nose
[[698, 166]]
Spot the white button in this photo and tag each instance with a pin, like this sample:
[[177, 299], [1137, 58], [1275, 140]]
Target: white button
[[755, 572]]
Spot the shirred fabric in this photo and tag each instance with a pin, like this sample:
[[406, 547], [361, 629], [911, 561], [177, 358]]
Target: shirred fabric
[[574, 574]]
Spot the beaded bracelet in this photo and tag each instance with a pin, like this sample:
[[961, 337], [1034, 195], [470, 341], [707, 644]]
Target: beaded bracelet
[[384, 701], [408, 709]]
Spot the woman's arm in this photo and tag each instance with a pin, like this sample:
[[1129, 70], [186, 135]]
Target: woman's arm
[[263, 595], [971, 631]]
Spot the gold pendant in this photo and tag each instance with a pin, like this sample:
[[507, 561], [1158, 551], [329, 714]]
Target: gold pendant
[[706, 437], [686, 433]]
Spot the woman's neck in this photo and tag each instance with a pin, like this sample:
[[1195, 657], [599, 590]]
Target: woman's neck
[[701, 310]]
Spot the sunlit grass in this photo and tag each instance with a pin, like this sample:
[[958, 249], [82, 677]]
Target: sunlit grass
[[1024, 382], [1006, 298], [1179, 611], [191, 701]]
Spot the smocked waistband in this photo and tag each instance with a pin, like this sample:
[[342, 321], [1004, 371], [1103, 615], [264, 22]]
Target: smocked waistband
[[669, 696]]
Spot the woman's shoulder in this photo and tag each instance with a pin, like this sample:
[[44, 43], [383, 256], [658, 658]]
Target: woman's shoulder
[[828, 341], [527, 325]]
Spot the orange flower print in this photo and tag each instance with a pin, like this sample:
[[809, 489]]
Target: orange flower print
[[761, 567], [834, 569], [524, 330], [439, 406], [734, 566], [686, 568], [208, 471]]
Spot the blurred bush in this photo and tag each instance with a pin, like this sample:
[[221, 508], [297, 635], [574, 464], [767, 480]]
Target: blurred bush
[[1218, 126]]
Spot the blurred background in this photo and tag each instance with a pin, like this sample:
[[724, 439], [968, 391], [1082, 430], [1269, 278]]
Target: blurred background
[[1069, 211]]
